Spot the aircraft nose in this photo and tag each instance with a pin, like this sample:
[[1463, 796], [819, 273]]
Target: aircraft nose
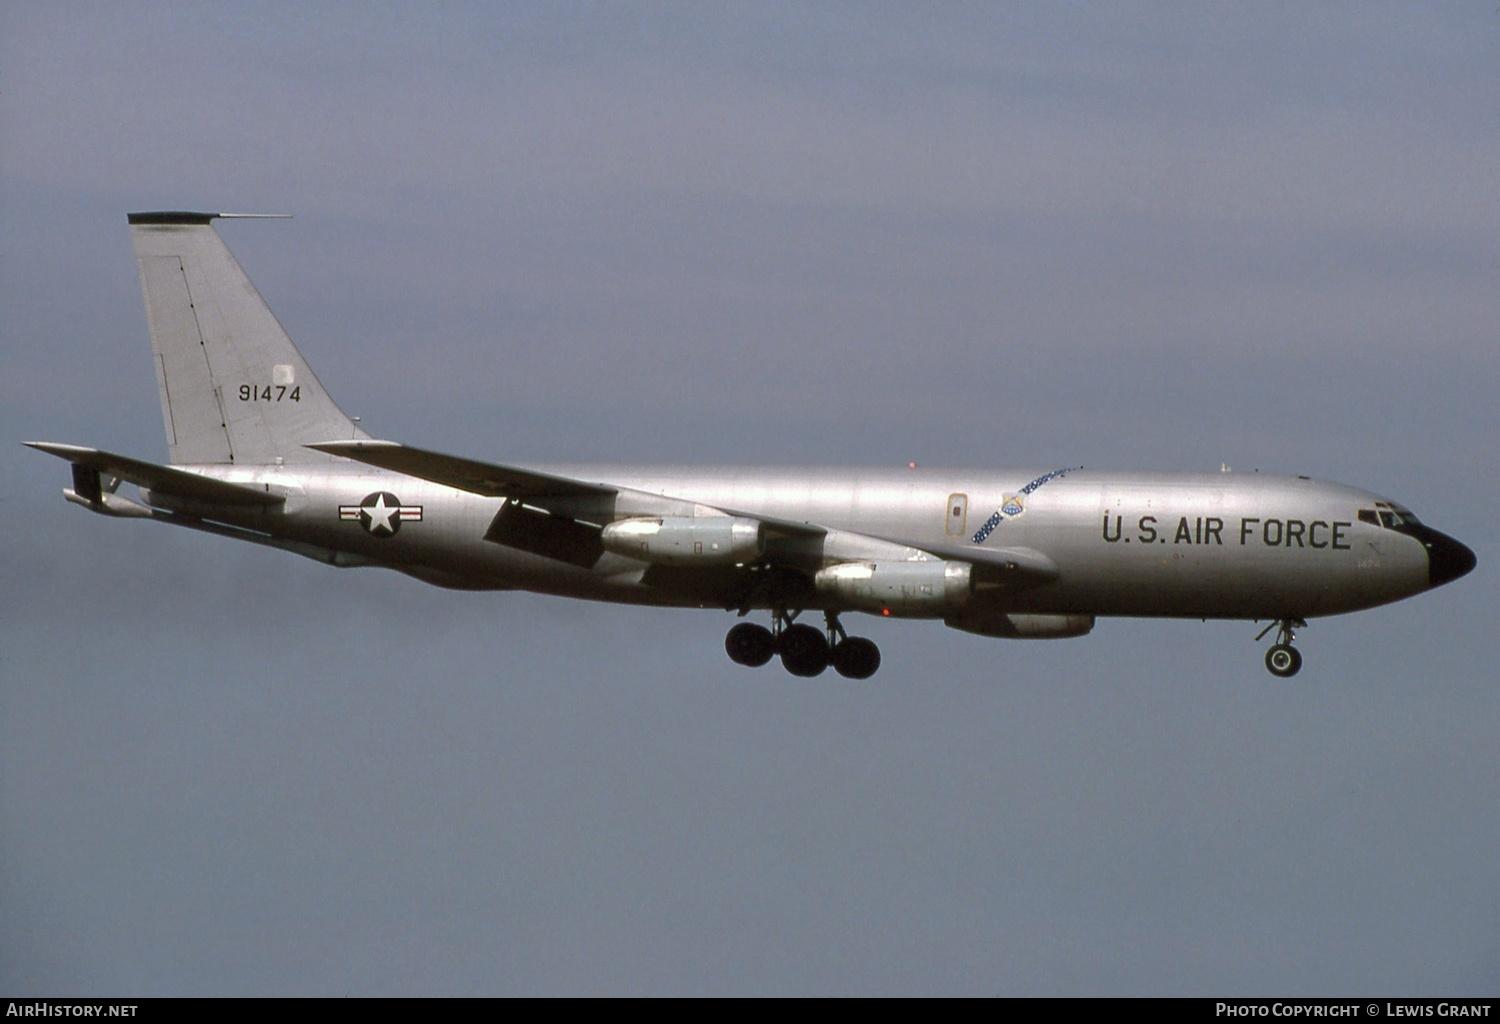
[[1447, 559]]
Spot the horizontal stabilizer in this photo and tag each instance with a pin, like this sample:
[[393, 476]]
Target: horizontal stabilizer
[[201, 219], [465, 474], [158, 479]]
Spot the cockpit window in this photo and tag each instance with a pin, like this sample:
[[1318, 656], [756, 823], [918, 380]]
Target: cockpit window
[[1391, 517]]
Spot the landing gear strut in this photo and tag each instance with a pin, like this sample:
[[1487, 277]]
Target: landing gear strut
[[854, 657], [1283, 659], [805, 650]]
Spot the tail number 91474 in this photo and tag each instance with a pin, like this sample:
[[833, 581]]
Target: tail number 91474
[[270, 393]]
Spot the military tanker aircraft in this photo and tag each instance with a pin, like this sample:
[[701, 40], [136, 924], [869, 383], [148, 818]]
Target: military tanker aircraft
[[258, 451]]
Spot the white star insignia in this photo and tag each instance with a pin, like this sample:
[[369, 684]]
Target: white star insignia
[[380, 515]]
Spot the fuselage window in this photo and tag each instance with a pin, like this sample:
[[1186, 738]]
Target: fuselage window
[[1367, 515]]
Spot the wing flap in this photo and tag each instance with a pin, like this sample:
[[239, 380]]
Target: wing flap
[[518, 525]]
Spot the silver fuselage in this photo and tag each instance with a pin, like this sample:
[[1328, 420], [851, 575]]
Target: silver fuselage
[[1216, 545]]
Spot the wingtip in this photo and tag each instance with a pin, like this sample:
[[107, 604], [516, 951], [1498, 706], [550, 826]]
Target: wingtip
[[59, 449]]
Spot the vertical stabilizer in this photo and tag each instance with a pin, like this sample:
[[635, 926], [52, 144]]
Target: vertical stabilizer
[[234, 389]]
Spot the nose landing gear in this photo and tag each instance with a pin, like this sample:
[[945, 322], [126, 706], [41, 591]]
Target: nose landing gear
[[805, 650], [1283, 659]]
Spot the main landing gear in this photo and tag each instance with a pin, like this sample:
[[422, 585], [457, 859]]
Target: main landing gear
[[1283, 659], [805, 650]]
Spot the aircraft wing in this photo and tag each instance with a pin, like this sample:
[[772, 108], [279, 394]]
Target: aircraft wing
[[496, 481], [157, 479], [542, 511], [790, 528], [470, 475], [1009, 566]]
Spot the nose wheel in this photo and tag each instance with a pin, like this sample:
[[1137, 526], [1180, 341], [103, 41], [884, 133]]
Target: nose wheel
[[805, 651], [1283, 659]]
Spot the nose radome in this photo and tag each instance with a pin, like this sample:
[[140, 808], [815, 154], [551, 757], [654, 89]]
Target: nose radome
[[1447, 559]]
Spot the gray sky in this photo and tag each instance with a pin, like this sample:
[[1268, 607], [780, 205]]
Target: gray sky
[[1149, 236]]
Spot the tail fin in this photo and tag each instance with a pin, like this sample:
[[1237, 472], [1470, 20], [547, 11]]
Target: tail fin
[[233, 386]]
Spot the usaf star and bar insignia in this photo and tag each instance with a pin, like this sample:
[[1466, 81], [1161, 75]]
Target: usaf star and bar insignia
[[381, 514]]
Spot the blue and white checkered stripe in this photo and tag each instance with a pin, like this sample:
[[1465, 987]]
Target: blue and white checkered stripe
[[999, 517]]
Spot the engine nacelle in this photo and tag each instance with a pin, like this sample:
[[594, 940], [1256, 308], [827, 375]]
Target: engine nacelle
[[1017, 626], [686, 540], [925, 589]]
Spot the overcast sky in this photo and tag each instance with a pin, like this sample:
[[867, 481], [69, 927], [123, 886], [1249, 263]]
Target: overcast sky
[[1154, 236]]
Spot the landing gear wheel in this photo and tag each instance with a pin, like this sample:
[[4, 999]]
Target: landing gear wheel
[[856, 658], [749, 644], [804, 650], [1283, 660]]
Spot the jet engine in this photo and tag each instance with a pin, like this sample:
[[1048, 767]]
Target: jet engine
[[919, 589], [686, 540]]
